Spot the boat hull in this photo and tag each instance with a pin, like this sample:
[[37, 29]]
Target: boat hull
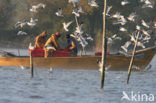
[[115, 62]]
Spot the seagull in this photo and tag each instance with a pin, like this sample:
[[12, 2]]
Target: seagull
[[74, 2], [93, 3], [20, 24], [122, 20], [31, 47], [138, 27], [100, 66], [147, 6], [132, 38], [33, 20], [123, 3], [145, 24], [115, 37], [89, 37], [154, 24], [132, 17], [41, 5], [147, 2], [31, 24], [123, 29], [35, 7], [126, 45], [76, 13], [66, 25], [33, 10], [59, 12], [110, 41], [22, 67], [147, 33], [140, 44], [146, 38], [80, 9], [108, 10], [21, 33], [142, 0], [79, 30], [82, 41], [136, 67], [50, 70], [116, 15]]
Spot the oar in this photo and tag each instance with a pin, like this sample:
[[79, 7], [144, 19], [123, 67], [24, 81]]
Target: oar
[[132, 58]]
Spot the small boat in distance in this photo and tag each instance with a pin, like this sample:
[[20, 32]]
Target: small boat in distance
[[115, 61]]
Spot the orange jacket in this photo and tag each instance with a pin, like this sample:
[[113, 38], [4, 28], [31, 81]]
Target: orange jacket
[[40, 40], [53, 40]]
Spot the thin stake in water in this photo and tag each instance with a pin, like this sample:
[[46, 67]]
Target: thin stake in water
[[132, 58], [104, 47]]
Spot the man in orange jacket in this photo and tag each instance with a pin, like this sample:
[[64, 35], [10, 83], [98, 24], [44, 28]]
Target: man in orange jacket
[[40, 40], [51, 44]]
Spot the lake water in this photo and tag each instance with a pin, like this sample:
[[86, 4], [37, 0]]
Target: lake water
[[73, 86]]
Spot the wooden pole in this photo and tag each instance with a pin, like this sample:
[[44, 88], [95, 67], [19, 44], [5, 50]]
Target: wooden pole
[[104, 47], [31, 65], [132, 58]]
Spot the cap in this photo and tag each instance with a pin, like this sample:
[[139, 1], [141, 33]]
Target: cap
[[57, 34]]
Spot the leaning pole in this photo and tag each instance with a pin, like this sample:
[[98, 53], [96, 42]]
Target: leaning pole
[[132, 58], [104, 47]]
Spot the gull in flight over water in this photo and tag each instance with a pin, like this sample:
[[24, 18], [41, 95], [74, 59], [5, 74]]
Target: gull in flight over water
[[59, 12], [93, 3], [66, 25]]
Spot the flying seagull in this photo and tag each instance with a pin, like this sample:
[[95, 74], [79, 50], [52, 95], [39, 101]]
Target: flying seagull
[[132, 17], [66, 25], [59, 12], [125, 2], [93, 3], [21, 33]]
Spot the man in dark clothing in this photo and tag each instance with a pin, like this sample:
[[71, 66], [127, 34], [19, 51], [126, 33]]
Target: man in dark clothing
[[71, 45]]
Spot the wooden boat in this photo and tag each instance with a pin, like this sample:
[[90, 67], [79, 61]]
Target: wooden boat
[[115, 61]]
